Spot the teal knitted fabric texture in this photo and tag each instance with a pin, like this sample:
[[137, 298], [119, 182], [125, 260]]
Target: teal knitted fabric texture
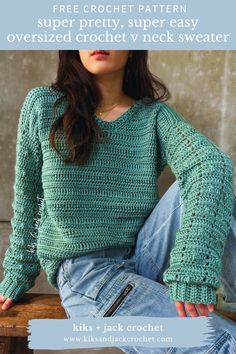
[[62, 211]]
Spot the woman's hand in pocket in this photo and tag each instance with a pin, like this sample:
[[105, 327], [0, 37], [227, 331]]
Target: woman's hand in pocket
[[7, 302]]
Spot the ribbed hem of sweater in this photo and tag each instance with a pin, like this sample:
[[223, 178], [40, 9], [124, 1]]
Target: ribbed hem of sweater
[[51, 266], [194, 293], [11, 289]]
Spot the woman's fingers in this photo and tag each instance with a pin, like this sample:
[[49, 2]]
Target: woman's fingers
[[8, 303], [211, 307], [191, 308], [188, 306], [180, 308], [202, 309]]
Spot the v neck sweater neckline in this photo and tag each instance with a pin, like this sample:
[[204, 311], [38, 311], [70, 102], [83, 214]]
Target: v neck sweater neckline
[[121, 119]]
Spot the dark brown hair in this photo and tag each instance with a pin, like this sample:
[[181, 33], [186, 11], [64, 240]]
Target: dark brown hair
[[83, 96]]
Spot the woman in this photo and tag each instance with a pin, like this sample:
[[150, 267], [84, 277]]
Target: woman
[[105, 240]]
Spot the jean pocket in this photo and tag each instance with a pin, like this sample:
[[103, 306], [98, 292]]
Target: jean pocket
[[91, 279], [119, 300], [224, 344]]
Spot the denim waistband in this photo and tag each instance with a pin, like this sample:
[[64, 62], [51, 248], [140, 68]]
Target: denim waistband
[[113, 252]]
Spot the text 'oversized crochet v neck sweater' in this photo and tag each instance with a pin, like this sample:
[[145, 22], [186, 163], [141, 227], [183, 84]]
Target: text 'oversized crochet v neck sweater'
[[64, 211]]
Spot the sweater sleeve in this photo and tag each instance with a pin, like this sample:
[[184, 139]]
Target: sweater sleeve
[[205, 177], [21, 265]]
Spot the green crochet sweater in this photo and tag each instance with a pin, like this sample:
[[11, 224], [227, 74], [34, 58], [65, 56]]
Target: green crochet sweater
[[64, 211]]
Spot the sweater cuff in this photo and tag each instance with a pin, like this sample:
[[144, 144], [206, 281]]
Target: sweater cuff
[[11, 289], [193, 293]]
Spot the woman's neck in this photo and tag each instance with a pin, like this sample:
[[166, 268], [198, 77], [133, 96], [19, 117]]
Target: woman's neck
[[110, 86]]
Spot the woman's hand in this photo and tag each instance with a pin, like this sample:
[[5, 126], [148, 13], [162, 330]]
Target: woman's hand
[[192, 309], [7, 302]]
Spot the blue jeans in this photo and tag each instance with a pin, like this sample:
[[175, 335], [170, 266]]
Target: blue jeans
[[128, 281]]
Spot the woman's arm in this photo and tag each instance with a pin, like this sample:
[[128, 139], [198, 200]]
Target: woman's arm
[[205, 177], [21, 265]]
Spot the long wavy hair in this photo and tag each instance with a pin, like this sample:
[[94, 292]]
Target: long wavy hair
[[83, 96]]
